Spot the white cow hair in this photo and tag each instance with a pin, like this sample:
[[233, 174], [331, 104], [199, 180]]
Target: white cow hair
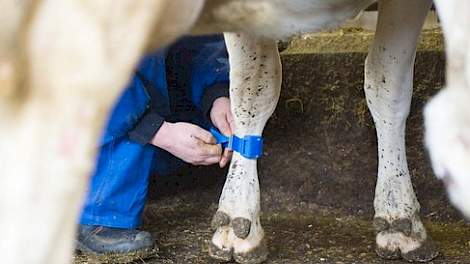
[[447, 118], [78, 56]]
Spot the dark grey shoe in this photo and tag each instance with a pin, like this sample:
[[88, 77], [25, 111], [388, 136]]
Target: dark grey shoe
[[114, 245]]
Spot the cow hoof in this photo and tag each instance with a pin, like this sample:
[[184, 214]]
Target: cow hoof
[[220, 254], [241, 227], [388, 254], [256, 255], [242, 240], [426, 252], [405, 238]]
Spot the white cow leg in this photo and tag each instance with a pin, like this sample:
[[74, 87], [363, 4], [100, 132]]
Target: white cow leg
[[46, 152], [79, 56], [255, 82], [388, 89], [447, 115]]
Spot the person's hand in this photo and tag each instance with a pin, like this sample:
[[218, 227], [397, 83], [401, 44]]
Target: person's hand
[[221, 117], [188, 142]]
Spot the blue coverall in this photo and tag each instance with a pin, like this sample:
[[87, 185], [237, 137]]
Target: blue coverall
[[172, 85]]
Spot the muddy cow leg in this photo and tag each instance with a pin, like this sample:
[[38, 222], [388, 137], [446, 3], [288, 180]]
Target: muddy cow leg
[[388, 89], [447, 115], [79, 54], [255, 76], [12, 31]]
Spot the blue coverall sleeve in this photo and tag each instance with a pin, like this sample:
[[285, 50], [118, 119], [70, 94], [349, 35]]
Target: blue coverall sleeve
[[209, 72], [151, 78]]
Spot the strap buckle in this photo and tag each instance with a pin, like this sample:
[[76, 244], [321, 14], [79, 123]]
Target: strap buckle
[[250, 147]]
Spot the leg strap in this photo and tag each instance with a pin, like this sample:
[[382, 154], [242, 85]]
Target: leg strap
[[250, 147]]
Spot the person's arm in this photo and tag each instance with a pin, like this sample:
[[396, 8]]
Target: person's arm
[[211, 94], [209, 72], [208, 62], [184, 140], [210, 87], [146, 128], [188, 142], [151, 121]]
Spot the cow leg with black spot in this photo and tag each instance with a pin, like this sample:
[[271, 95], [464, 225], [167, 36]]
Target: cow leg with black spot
[[255, 85], [388, 89]]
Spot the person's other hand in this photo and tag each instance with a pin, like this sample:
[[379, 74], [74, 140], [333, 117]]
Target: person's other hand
[[221, 117], [188, 142]]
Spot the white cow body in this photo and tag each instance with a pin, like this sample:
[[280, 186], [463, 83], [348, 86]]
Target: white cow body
[[447, 118], [277, 19], [79, 55]]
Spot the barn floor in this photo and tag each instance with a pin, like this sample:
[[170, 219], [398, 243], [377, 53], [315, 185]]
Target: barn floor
[[318, 171], [300, 234], [297, 236]]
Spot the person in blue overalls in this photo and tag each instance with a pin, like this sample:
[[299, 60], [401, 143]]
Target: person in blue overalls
[[172, 99]]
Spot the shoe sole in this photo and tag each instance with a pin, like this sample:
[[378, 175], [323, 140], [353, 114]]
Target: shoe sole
[[120, 258]]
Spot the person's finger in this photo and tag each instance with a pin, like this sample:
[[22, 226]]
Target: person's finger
[[231, 121], [204, 135], [224, 126], [226, 157], [223, 162], [210, 161], [210, 150]]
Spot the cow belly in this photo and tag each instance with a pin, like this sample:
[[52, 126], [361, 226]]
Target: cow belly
[[276, 19]]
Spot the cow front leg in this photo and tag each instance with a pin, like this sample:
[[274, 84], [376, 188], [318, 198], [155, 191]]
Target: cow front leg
[[255, 83], [388, 89]]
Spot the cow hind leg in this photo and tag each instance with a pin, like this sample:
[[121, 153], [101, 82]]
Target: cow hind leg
[[388, 89], [48, 138], [255, 81]]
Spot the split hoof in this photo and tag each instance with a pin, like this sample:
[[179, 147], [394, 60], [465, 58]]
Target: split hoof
[[257, 255], [399, 240], [388, 254], [220, 254], [237, 238], [426, 252]]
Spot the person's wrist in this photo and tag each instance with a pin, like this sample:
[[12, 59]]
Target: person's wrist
[[161, 138]]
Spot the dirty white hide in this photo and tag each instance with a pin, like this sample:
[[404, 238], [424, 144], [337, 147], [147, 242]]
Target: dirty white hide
[[62, 64], [447, 115], [65, 61]]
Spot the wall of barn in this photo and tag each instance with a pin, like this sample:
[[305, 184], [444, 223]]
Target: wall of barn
[[320, 144]]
